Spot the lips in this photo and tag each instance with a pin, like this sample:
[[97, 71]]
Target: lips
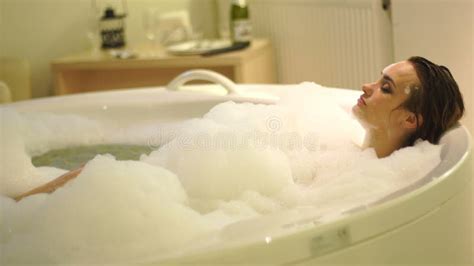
[[361, 101]]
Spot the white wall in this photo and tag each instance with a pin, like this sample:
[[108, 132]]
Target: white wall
[[42, 30], [442, 31]]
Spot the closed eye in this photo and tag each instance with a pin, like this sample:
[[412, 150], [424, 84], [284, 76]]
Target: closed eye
[[386, 88]]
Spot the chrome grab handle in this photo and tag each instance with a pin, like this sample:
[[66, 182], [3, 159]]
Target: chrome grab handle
[[201, 74]]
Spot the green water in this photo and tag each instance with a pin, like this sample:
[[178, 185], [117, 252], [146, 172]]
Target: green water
[[73, 157]]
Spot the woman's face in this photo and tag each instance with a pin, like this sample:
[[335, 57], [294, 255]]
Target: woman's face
[[379, 106]]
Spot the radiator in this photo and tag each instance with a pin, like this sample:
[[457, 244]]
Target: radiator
[[337, 43]]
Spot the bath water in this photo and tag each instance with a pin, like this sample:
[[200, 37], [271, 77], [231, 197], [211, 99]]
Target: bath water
[[73, 157]]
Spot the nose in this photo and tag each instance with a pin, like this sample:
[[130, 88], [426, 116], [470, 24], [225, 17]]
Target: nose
[[367, 89]]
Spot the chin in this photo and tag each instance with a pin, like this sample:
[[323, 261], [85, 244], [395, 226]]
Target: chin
[[358, 114], [356, 111]]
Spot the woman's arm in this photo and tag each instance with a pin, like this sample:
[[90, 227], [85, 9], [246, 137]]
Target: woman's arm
[[52, 185]]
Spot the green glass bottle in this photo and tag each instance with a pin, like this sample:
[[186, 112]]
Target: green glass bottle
[[240, 26]]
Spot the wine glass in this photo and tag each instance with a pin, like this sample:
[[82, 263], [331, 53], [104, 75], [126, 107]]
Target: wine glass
[[92, 33], [151, 20]]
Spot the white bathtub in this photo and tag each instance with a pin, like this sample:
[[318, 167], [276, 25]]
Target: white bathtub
[[428, 222]]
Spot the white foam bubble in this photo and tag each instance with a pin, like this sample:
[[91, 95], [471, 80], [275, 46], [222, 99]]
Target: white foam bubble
[[113, 209]]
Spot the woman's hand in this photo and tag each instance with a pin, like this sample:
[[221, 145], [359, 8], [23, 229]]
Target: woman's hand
[[52, 185]]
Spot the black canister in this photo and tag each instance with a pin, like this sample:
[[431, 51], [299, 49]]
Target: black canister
[[112, 29]]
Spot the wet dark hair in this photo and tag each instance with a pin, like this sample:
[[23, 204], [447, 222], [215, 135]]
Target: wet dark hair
[[437, 99]]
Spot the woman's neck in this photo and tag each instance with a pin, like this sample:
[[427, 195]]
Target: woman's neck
[[384, 142]]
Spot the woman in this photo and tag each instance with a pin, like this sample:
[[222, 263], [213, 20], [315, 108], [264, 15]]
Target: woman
[[413, 99]]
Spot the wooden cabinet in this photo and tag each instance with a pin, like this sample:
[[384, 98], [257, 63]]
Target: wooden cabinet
[[86, 72]]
